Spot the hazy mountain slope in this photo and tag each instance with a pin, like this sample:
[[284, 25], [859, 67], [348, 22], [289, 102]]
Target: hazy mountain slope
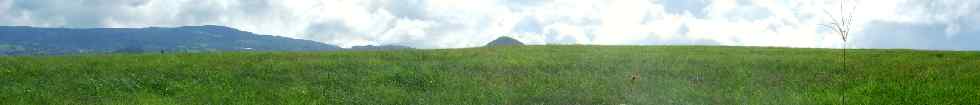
[[504, 41], [54, 41]]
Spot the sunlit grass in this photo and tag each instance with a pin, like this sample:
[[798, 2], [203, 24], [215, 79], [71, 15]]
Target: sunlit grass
[[569, 74]]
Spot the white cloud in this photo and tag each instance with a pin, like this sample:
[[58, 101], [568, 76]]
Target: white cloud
[[470, 23]]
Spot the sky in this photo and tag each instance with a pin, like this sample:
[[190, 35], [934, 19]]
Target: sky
[[907, 24]]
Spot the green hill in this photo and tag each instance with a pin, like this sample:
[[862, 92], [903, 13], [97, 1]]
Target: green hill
[[634, 75]]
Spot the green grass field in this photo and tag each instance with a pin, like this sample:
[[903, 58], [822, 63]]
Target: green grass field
[[558, 75]]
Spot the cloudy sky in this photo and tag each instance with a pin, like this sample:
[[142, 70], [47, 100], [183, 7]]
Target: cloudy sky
[[916, 24]]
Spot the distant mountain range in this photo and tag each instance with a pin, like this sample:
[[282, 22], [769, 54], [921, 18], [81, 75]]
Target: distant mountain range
[[209, 38], [381, 47]]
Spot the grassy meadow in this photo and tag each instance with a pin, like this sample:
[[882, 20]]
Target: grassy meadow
[[554, 75]]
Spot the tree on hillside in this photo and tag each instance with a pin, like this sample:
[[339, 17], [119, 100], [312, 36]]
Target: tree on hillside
[[841, 25]]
